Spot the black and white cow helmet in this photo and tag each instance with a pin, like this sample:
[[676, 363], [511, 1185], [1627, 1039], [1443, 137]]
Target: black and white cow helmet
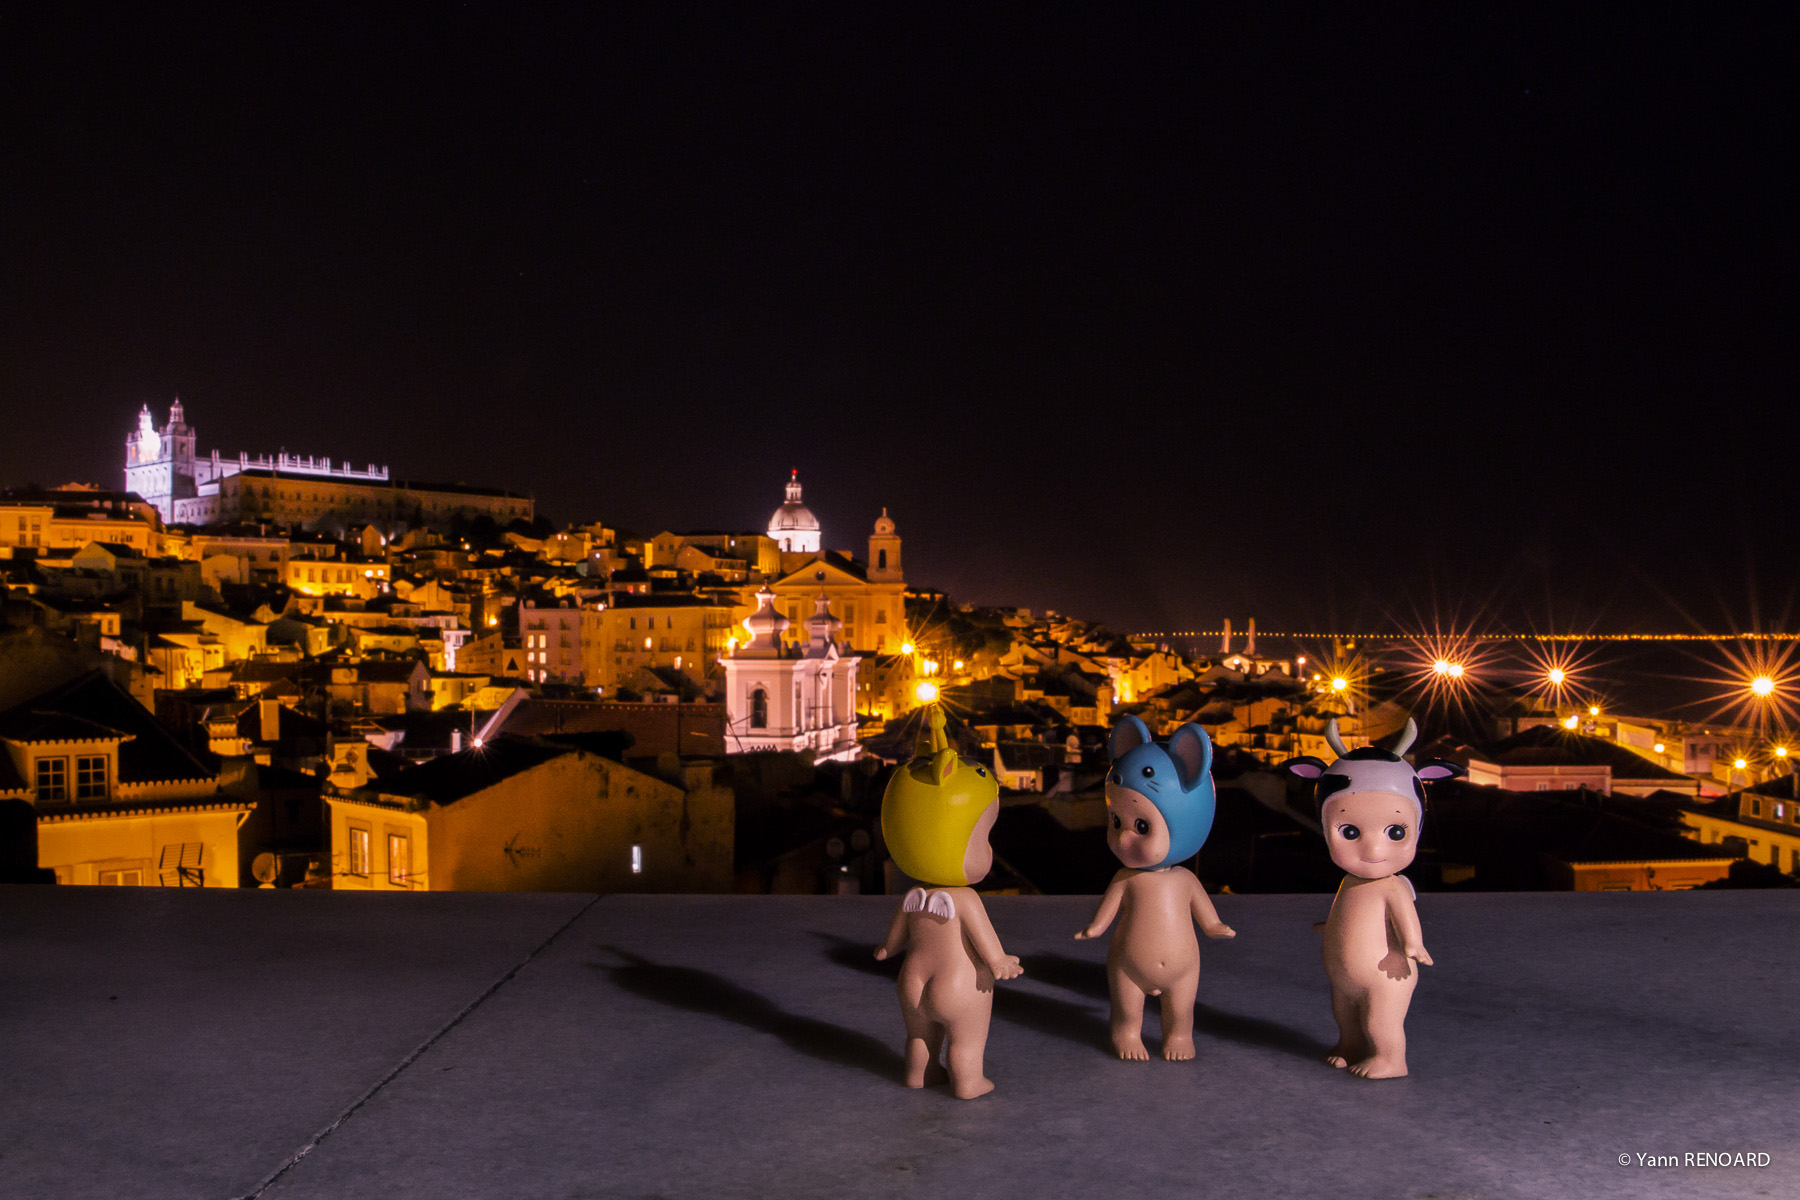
[[1371, 769]]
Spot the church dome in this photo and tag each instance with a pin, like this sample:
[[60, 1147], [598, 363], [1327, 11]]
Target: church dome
[[793, 515]]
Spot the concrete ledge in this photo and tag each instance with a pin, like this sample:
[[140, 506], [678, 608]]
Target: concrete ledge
[[748, 1046]]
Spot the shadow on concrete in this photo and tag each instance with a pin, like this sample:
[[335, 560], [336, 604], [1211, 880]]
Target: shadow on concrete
[[1088, 978], [715, 995], [1058, 1018]]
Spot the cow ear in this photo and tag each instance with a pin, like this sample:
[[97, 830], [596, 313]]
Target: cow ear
[[1438, 768], [1192, 751], [1127, 735], [1304, 767]]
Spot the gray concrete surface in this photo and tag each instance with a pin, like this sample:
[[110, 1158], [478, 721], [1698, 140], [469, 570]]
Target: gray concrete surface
[[742, 1046]]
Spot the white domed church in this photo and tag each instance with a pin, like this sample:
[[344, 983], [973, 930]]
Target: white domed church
[[785, 696], [793, 527]]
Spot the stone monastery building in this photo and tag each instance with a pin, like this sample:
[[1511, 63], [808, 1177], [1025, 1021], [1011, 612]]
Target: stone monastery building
[[163, 465]]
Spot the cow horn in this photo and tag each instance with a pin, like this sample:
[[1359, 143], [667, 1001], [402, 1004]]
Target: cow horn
[[1406, 737], [1333, 740]]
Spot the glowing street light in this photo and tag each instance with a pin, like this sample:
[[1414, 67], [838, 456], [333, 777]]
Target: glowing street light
[[925, 691], [906, 647], [1658, 747], [1571, 721], [1739, 763], [1339, 683], [1781, 752], [1762, 685], [1557, 675]]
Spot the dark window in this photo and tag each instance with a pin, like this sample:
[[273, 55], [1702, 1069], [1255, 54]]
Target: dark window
[[759, 709], [881, 560], [53, 779], [90, 777]]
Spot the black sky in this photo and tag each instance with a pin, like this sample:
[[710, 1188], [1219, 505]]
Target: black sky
[[1152, 315]]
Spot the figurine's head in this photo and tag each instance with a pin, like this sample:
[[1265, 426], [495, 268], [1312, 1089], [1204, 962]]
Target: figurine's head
[[1159, 797], [937, 812], [1371, 802]]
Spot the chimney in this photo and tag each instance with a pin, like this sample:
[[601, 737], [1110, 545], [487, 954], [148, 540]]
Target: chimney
[[1225, 644], [1250, 640], [270, 711]]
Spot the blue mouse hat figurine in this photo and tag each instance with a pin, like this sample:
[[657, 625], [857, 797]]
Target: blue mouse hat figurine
[[1160, 804], [1174, 776]]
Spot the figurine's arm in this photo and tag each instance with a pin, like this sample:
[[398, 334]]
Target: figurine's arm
[[896, 938], [1109, 908], [1205, 915], [1406, 924], [981, 935]]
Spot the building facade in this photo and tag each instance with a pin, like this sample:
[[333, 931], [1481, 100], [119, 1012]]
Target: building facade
[[163, 465], [780, 696]]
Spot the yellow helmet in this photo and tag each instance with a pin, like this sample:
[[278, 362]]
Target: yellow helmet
[[931, 809]]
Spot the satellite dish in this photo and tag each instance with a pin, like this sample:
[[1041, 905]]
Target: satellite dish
[[266, 867]]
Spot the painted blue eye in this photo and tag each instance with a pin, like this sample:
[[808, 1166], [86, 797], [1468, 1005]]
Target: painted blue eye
[[1149, 772]]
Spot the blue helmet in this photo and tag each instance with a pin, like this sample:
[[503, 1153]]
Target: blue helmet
[[1174, 776]]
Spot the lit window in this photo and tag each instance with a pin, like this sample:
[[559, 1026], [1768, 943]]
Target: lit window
[[52, 779], [90, 777], [399, 848], [359, 852], [637, 859]]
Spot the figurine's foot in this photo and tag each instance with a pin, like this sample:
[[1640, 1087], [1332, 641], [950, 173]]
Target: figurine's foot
[[980, 1087], [1339, 1056], [1377, 1067], [1336, 1060], [1130, 1047], [1178, 1048]]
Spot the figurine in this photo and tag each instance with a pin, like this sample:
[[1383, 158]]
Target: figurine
[[1160, 805], [1372, 804], [935, 816]]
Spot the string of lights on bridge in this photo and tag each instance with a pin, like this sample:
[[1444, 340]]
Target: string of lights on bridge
[[1486, 637]]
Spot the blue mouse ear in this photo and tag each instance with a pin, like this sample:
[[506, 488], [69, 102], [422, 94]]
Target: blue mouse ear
[[1192, 751], [1127, 735]]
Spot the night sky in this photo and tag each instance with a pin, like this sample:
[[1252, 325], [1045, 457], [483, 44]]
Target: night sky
[[1453, 312]]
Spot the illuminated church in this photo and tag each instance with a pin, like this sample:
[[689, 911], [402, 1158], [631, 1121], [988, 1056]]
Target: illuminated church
[[868, 596], [164, 466]]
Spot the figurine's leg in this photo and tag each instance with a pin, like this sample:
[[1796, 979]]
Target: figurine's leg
[[968, 1043], [1386, 1016], [1178, 1018], [1351, 1044], [924, 1037], [1127, 1016]]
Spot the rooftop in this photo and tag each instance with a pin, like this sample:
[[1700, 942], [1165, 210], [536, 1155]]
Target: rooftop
[[201, 1043]]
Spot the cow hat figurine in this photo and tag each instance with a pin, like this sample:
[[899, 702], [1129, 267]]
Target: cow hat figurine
[[1160, 804], [935, 818], [1371, 805]]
